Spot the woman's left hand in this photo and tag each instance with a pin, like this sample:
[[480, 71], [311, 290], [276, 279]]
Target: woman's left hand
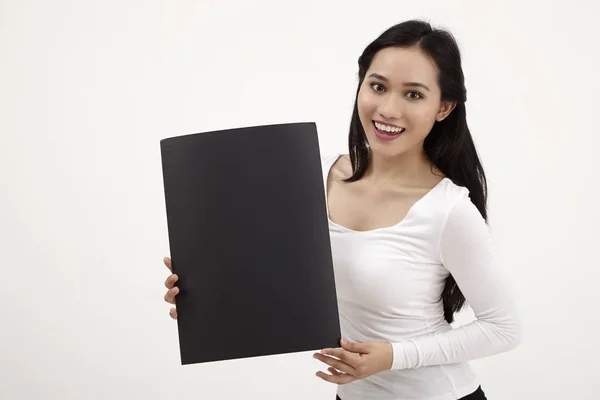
[[355, 361]]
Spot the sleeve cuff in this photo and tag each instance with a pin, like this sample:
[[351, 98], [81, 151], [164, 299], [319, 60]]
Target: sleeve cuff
[[405, 355]]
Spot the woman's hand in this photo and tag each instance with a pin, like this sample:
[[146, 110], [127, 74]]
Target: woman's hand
[[355, 361], [172, 289]]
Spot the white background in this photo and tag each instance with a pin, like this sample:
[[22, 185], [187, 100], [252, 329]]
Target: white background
[[87, 90]]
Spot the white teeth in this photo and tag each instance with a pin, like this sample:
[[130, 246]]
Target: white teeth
[[389, 129]]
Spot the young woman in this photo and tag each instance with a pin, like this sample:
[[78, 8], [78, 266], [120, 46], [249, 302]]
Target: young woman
[[408, 226]]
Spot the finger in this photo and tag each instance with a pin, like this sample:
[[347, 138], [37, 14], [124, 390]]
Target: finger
[[170, 295], [340, 380], [334, 371], [168, 263], [173, 313], [337, 364], [344, 355], [170, 281]]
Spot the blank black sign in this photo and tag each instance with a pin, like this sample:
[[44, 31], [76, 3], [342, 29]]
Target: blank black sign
[[249, 239]]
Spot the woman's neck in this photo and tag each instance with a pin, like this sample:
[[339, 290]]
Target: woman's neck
[[410, 169]]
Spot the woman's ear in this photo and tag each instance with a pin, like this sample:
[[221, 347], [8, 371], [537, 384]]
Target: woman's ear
[[445, 109]]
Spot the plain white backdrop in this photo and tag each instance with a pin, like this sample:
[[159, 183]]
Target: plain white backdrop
[[88, 88]]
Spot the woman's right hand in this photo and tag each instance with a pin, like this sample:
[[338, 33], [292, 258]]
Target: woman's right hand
[[172, 289]]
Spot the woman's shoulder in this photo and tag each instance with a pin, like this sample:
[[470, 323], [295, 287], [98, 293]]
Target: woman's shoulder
[[454, 200], [449, 195], [338, 164], [453, 190]]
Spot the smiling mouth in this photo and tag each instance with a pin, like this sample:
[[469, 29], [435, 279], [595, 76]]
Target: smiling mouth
[[392, 132]]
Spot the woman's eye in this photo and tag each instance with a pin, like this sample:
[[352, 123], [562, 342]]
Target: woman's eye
[[375, 85], [414, 95]]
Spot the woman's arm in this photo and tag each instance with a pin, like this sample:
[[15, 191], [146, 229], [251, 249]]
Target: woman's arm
[[466, 250]]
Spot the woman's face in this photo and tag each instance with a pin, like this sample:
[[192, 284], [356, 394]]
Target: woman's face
[[400, 89]]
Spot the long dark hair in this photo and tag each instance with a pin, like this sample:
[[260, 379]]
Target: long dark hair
[[449, 144]]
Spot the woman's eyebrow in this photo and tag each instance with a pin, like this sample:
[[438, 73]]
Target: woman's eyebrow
[[413, 84]]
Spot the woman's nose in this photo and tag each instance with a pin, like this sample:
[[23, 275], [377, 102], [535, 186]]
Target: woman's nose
[[391, 108]]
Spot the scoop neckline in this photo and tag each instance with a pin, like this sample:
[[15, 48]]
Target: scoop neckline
[[391, 227]]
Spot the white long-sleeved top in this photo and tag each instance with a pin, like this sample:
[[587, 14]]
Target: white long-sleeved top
[[389, 281]]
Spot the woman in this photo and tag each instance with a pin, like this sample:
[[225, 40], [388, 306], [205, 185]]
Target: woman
[[408, 226]]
